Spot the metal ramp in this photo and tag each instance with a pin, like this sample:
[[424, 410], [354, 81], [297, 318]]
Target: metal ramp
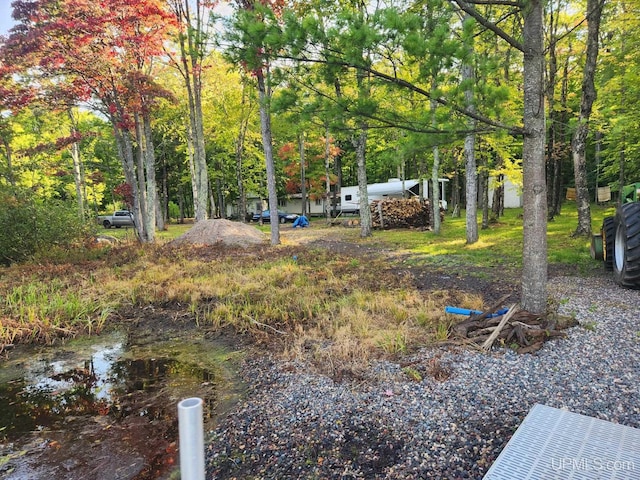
[[553, 444]]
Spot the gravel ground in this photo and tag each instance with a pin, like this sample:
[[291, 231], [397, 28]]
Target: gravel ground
[[298, 425]]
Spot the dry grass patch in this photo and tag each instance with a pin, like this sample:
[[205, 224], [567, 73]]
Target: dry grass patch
[[335, 311]]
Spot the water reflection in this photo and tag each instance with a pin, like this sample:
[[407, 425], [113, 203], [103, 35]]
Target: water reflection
[[46, 391]]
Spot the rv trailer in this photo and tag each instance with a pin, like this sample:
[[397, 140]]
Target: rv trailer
[[394, 188]]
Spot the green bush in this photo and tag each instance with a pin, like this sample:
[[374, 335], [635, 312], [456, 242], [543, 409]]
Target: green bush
[[29, 225]]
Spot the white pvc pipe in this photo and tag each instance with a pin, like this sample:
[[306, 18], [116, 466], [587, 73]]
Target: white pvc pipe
[[191, 439]]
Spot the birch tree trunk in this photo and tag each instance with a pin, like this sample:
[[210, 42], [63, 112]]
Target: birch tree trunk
[[534, 253], [140, 174], [579, 142], [125, 152], [192, 167], [151, 184], [78, 178], [192, 41]]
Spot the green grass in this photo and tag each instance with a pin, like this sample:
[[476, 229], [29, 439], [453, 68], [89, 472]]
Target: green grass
[[500, 245]]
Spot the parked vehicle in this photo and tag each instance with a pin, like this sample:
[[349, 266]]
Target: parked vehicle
[[283, 217], [120, 218], [618, 244]]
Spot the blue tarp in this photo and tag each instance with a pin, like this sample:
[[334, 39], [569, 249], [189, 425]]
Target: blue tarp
[[301, 222]]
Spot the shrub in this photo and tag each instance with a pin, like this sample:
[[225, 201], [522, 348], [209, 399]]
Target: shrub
[[29, 225]]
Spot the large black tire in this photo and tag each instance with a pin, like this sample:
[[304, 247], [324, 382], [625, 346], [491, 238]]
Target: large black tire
[[106, 224], [626, 264], [608, 233]]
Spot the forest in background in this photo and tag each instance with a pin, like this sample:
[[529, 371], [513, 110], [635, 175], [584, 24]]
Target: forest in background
[[171, 107]]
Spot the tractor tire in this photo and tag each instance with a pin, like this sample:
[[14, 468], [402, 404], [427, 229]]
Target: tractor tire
[[626, 252], [608, 233]]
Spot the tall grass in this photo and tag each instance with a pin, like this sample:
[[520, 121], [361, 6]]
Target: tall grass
[[338, 310], [38, 311]]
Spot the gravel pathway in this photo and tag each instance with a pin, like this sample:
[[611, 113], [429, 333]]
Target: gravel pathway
[[298, 425]]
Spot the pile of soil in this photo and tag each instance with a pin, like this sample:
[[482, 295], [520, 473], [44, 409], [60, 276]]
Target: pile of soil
[[222, 232]]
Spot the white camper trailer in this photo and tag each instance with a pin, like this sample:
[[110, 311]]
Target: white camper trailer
[[394, 188]]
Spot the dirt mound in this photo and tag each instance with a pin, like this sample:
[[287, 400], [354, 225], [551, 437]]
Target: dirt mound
[[222, 232]]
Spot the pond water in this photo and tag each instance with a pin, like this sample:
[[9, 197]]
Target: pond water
[[106, 407]]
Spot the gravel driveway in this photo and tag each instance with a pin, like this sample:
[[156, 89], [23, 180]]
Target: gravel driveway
[[295, 424]]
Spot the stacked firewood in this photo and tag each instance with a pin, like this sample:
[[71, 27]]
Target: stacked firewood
[[401, 213], [516, 329]]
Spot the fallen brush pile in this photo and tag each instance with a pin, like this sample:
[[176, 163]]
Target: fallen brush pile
[[520, 330]]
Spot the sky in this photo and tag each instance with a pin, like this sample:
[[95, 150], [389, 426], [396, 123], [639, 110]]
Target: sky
[[5, 16]]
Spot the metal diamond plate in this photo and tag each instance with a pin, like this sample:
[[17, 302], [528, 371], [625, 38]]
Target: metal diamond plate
[[554, 444]]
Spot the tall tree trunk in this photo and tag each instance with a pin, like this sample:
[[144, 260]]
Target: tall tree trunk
[[220, 207], [78, 179], [125, 152], [470, 146], [361, 158], [578, 145], [598, 156], [561, 141], [140, 174], [303, 175], [435, 170], [267, 145], [180, 205], [327, 171], [621, 173], [484, 192], [552, 70], [455, 193], [165, 192], [151, 184], [497, 206], [365, 212], [192, 43], [242, 195], [534, 253], [192, 166], [471, 194]]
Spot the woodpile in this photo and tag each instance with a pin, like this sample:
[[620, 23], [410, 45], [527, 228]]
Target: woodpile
[[517, 329], [401, 213]]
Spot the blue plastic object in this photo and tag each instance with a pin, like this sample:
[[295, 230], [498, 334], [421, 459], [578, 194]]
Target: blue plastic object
[[461, 311], [464, 311]]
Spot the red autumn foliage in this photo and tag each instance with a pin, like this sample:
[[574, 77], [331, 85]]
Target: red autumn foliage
[[125, 192], [314, 166], [59, 144], [100, 48]]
